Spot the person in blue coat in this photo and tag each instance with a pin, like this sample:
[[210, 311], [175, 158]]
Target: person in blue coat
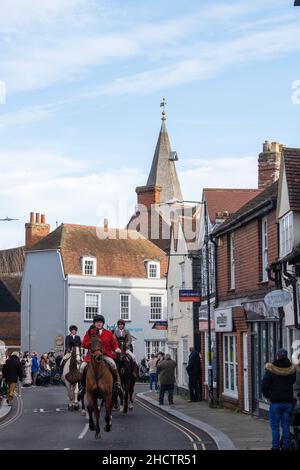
[[34, 367]]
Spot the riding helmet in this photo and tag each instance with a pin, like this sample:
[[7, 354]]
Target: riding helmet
[[73, 327], [98, 318], [121, 321]]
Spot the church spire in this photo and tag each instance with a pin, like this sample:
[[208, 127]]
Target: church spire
[[163, 170]]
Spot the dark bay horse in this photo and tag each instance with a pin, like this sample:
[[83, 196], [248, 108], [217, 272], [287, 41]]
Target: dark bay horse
[[99, 384], [128, 374]]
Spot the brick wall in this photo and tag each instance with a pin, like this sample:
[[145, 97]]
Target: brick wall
[[10, 328], [248, 260]]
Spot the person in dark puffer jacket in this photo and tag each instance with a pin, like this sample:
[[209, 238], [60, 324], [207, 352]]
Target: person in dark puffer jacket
[[277, 386]]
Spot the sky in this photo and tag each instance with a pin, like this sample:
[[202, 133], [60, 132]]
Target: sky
[[81, 83]]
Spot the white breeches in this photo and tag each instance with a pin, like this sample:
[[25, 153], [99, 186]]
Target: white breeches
[[107, 359], [131, 355]]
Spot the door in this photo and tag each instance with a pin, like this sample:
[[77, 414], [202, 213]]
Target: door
[[246, 378]]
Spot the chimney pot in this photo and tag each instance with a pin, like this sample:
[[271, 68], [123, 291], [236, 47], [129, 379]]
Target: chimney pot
[[43, 219], [32, 217], [105, 224], [37, 218]]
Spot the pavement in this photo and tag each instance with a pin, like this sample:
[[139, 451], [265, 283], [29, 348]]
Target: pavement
[[229, 429]]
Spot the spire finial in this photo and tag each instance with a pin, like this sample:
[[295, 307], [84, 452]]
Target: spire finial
[[163, 105]]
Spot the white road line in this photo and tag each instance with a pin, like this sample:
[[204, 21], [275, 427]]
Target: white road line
[[83, 433], [57, 409], [42, 410]]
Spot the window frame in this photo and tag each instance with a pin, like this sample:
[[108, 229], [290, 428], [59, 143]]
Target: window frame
[[286, 233], [157, 265], [149, 349], [129, 306], [232, 261], [182, 275], [153, 320], [86, 294], [94, 265], [264, 248], [228, 390]]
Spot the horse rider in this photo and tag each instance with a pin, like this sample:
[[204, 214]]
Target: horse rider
[[72, 339], [109, 348], [122, 332]]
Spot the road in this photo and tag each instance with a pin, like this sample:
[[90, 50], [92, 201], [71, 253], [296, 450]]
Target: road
[[40, 421]]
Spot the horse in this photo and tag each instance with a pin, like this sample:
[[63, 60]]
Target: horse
[[70, 377], [128, 374], [99, 384]]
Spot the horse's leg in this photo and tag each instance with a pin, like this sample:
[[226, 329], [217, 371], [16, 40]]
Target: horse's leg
[[90, 411], [126, 398], [76, 404], [131, 395], [121, 394], [69, 393], [83, 412], [97, 415], [108, 408]]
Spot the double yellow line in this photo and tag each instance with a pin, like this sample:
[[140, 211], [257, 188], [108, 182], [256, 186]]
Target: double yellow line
[[188, 433]]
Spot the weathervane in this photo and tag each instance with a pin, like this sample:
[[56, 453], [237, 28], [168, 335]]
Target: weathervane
[[163, 105]]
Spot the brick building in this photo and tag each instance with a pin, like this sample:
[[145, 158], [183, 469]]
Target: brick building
[[248, 331]]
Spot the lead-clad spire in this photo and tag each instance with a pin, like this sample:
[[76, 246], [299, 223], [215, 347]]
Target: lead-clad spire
[[163, 170]]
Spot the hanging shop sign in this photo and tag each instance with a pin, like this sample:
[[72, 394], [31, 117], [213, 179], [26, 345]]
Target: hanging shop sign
[[160, 325], [223, 320], [278, 298], [189, 295]]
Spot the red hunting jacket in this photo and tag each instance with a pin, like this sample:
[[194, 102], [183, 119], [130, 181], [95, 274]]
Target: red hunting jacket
[[108, 341]]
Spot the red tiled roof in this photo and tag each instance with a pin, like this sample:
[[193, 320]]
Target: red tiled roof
[[122, 256], [230, 200], [292, 169], [12, 260], [262, 199]]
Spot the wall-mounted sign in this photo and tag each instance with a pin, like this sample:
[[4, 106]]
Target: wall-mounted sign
[[160, 325], [223, 320], [59, 343], [278, 298], [189, 295]]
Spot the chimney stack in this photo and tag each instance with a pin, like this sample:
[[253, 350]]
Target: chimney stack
[[35, 231], [105, 225], [269, 164]]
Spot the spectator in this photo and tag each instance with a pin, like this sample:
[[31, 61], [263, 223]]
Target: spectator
[[166, 370], [12, 372], [26, 363], [153, 372], [144, 370], [277, 386], [52, 365], [193, 369], [45, 371], [34, 367]]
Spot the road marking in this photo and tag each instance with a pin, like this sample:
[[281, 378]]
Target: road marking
[[17, 415], [42, 410], [67, 448], [83, 433], [57, 409], [180, 427]]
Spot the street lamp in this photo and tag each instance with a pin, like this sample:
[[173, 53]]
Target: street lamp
[[206, 242]]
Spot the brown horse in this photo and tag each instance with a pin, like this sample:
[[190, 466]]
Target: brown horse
[[99, 384], [128, 374]]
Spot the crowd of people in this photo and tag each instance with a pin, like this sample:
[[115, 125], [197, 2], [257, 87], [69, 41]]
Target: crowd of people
[[30, 370]]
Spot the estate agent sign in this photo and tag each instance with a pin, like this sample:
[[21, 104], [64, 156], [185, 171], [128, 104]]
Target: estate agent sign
[[223, 320]]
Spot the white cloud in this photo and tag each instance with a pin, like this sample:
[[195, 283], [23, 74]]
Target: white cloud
[[75, 192], [64, 190], [240, 172]]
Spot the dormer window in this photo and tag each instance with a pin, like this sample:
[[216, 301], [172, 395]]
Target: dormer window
[[286, 234], [153, 269], [89, 266]]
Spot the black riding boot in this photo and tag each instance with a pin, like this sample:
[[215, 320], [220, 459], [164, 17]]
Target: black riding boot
[[81, 391], [117, 382]]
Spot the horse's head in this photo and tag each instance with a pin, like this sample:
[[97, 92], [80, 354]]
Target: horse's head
[[122, 343], [77, 355], [96, 346]]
